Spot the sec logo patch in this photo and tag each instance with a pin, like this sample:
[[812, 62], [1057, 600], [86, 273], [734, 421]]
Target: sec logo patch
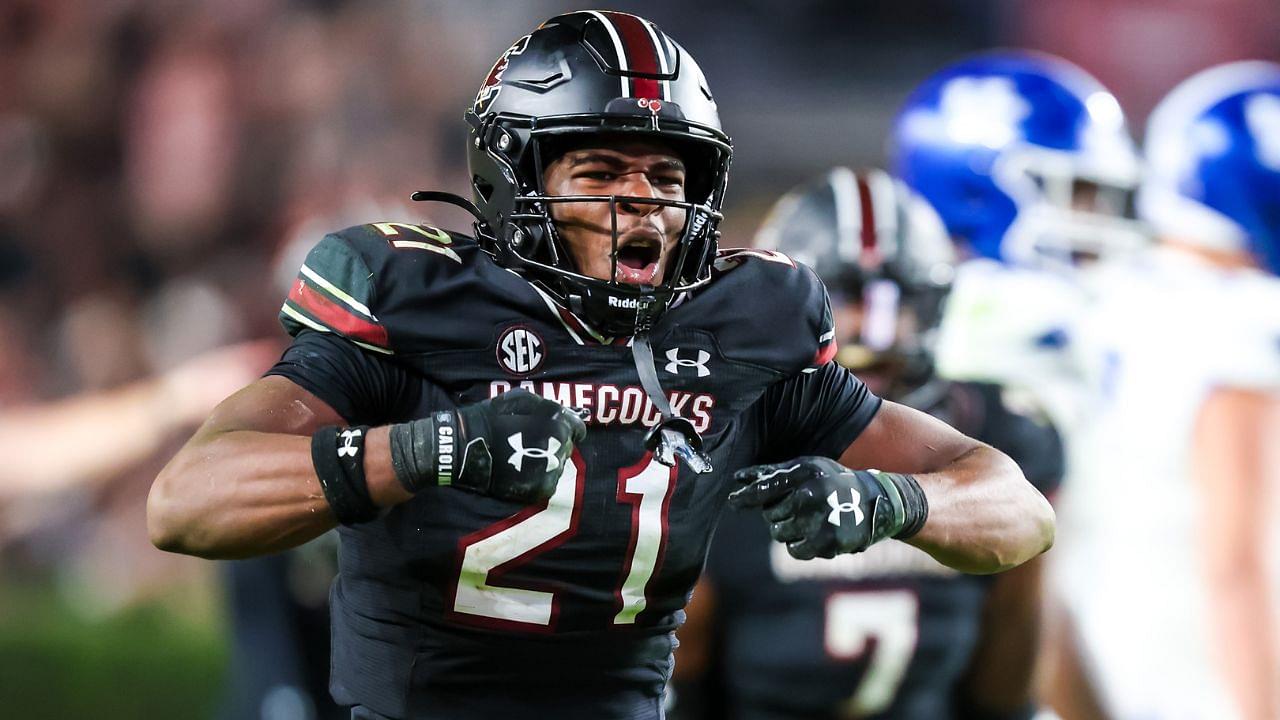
[[520, 350]]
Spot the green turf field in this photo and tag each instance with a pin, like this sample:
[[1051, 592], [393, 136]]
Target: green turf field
[[160, 660]]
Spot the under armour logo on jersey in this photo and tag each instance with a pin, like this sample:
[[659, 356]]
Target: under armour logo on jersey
[[678, 362], [348, 448], [521, 452], [838, 508]]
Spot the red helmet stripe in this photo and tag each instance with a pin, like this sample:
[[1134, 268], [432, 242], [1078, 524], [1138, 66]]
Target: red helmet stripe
[[868, 218], [641, 53], [617, 47], [659, 43]]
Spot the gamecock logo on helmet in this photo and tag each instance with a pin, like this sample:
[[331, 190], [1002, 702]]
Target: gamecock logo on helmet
[[493, 84]]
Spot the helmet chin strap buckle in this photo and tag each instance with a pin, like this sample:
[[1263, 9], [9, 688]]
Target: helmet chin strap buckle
[[674, 438]]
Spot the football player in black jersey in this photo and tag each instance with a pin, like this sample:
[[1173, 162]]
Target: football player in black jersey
[[527, 435], [888, 633]]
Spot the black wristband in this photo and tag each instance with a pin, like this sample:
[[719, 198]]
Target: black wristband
[[915, 506], [338, 457], [427, 451]]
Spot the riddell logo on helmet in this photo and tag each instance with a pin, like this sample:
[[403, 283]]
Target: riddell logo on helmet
[[493, 83], [627, 303], [652, 105], [698, 221]]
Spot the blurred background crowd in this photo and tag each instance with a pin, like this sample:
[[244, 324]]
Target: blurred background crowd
[[164, 165]]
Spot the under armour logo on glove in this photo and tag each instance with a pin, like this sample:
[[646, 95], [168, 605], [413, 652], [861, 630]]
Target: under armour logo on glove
[[348, 447], [677, 362], [521, 452], [465, 448], [838, 508], [803, 502]]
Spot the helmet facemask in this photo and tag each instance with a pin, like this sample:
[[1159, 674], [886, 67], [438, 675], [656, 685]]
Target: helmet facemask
[[897, 328], [1070, 211], [613, 305]]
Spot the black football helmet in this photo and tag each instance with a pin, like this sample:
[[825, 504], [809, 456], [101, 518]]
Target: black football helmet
[[593, 73], [877, 244]]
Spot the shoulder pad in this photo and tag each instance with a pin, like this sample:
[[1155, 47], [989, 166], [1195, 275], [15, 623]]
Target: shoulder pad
[[352, 277], [770, 290]]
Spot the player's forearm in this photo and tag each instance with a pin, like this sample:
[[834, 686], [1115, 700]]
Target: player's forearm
[[1246, 640], [984, 517], [1233, 467], [233, 494]]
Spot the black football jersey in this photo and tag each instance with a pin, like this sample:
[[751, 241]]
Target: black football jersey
[[457, 605], [886, 633]]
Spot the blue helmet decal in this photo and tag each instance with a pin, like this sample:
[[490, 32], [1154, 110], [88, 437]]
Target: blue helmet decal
[[1213, 157], [984, 139]]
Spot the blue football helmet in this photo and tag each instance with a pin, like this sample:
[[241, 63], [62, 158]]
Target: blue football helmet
[[1213, 158], [1025, 156]]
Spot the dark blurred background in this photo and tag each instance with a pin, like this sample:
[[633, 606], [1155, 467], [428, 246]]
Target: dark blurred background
[[164, 164]]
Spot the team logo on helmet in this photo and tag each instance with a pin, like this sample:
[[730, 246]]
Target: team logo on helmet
[[521, 351], [493, 84], [1262, 115]]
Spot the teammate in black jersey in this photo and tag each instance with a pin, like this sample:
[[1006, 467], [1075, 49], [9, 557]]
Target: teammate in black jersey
[[501, 554], [889, 633]]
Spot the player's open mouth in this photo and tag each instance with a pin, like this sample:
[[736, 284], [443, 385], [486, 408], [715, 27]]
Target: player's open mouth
[[638, 260]]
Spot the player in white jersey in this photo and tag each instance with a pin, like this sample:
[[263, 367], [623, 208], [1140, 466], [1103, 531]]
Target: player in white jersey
[[1029, 163], [1172, 605]]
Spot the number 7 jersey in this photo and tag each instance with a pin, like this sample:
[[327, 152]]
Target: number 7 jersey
[[568, 606]]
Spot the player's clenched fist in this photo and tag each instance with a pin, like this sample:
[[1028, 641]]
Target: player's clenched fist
[[513, 447], [819, 507]]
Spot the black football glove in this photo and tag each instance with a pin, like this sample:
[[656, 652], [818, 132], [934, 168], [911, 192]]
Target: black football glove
[[513, 447], [820, 508]]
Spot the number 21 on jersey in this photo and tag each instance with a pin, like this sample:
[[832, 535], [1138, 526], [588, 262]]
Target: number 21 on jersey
[[492, 551]]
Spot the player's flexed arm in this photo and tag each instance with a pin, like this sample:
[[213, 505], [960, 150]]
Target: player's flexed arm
[[274, 467], [982, 514], [244, 484], [965, 503]]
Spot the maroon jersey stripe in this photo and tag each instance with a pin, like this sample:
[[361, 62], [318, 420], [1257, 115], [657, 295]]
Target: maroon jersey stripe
[[642, 55]]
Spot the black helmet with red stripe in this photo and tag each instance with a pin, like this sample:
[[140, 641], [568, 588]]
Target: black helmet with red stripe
[[877, 245], [604, 73]]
